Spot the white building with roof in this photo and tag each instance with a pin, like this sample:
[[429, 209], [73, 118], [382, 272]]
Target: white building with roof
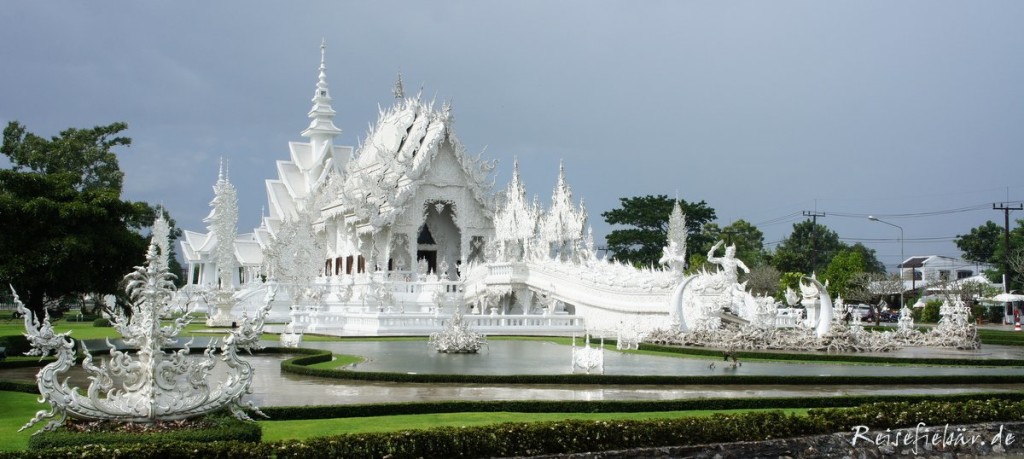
[[921, 272], [386, 237]]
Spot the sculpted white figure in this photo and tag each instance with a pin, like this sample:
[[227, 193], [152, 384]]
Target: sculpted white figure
[[728, 262], [149, 384]]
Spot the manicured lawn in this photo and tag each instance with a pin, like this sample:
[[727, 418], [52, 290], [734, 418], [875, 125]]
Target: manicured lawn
[[18, 408], [86, 330], [299, 429], [340, 360]]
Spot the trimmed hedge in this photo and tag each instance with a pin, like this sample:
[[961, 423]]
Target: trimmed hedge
[[15, 345], [848, 358], [284, 413], [573, 436], [219, 427], [18, 386], [299, 365]]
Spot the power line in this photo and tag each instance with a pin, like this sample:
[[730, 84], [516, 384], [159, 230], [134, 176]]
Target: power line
[[887, 239], [1006, 208], [932, 213], [814, 235]]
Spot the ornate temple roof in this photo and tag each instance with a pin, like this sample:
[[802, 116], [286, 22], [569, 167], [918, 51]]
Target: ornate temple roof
[[393, 160]]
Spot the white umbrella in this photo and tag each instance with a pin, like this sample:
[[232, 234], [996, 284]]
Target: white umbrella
[[1008, 297]]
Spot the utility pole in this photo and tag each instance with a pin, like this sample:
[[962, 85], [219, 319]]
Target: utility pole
[[814, 235], [1006, 208]]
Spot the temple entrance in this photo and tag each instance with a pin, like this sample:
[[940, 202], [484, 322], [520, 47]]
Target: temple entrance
[[430, 256], [439, 240]]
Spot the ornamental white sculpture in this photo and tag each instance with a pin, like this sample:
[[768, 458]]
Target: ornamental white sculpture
[[457, 338], [674, 255], [588, 358], [223, 220], [700, 300], [149, 384]]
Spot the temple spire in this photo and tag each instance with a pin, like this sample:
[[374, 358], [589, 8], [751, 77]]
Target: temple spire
[[398, 90], [322, 128]]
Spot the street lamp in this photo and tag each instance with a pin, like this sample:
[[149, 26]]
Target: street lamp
[[902, 258]]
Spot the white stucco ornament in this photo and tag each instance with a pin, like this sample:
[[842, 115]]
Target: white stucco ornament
[[148, 384]]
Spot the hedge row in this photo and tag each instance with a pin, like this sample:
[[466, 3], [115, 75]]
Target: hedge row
[[18, 386], [572, 436], [299, 365], [849, 358], [284, 413], [15, 344], [220, 427]]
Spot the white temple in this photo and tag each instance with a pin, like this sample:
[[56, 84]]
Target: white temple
[[405, 233], [366, 239]]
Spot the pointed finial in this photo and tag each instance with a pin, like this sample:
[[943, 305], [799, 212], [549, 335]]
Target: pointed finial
[[220, 173], [323, 51], [398, 90], [446, 110]]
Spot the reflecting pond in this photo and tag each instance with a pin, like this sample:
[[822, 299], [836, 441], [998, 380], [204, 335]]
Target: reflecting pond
[[272, 388], [544, 357]]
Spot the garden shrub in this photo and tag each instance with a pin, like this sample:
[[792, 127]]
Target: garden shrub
[[15, 345], [573, 436], [930, 312], [102, 322], [210, 428], [282, 413]]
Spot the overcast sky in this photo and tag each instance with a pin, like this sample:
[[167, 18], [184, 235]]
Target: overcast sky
[[764, 109]]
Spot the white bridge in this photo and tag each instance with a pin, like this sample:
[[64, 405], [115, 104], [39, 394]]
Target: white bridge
[[512, 298]]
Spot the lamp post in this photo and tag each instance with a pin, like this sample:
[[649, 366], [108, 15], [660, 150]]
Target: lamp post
[[902, 258]]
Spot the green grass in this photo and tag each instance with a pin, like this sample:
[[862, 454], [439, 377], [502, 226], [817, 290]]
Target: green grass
[[18, 408], [85, 330], [340, 360], [299, 429]]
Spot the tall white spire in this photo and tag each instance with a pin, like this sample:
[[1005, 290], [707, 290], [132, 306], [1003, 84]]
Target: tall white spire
[[399, 90], [322, 126]]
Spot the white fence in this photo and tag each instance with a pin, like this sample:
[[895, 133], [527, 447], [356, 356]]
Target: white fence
[[420, 324]]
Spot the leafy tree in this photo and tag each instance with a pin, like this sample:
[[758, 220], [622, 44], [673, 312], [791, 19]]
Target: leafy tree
[[796, 253], [647, 220], [65, 229], [763, 280], [842, 271], [987, 244], [872, 288], [748, 238], [83, 153], [981, 243], [871, 263], [788, 280]]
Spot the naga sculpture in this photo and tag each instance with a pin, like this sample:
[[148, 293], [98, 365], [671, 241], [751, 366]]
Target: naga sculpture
[[148, 384]]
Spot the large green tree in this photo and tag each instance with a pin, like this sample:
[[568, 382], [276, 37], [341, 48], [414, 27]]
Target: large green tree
[[808, 249], [843, 269], [64, 228], [871, 262], [646, 218], [981, 244], [987, 244]]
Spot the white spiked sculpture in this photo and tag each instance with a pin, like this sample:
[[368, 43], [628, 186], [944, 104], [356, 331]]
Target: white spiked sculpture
[[149, 384], [457, 338]]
